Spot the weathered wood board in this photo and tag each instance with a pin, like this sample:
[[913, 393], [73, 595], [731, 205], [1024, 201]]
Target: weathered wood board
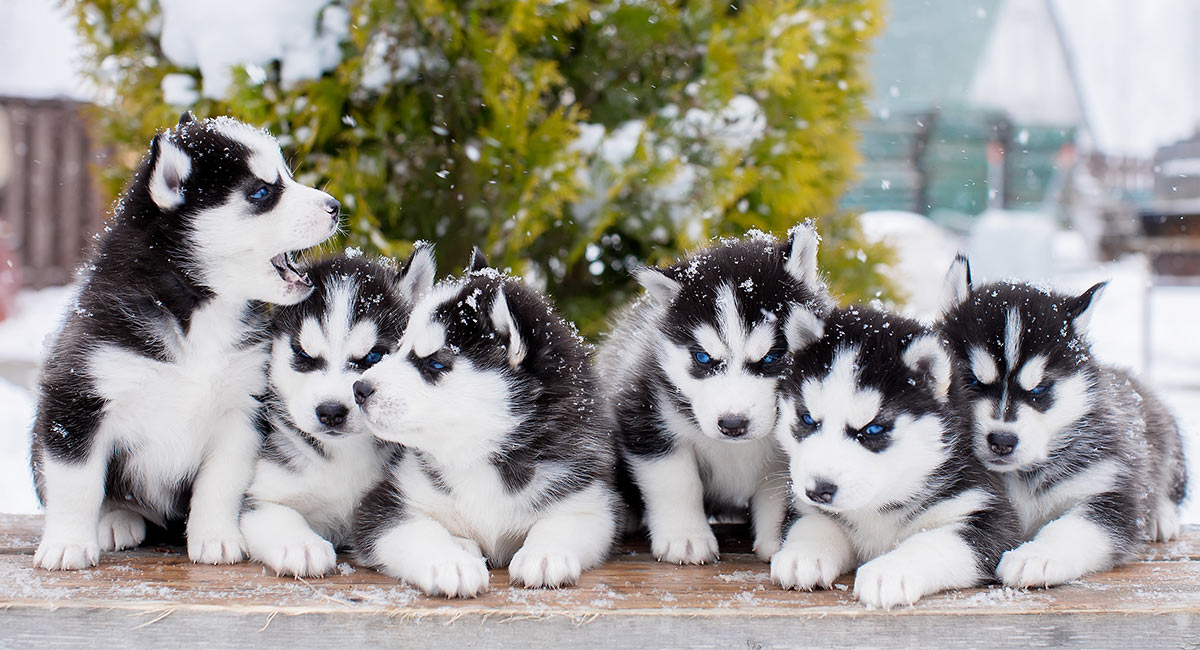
[[155, 596]]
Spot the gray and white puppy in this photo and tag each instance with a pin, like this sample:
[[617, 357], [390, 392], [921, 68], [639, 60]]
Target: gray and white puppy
[[1092, 460], [146, 411], [318, 460], [506, 454], [691, 374]]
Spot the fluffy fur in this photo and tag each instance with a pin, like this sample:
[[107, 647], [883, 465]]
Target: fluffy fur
[[1092, 460], [146, 404], [690, 373], [507, 461], [318, 460], [879, 476]]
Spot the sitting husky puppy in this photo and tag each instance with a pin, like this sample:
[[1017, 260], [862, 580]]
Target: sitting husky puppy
[[506, 453], [317, 460], [879, 474], [690, 373], [147, 405], [1092, 460]]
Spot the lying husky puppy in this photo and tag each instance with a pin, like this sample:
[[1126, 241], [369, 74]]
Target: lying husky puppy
[[147, 405], [690, 372], [880, 476], [318, 460], [1092, 460], [506, 453]]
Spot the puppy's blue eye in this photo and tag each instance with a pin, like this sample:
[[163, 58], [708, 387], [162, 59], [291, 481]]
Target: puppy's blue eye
[[770, 358], [261, 193], [1039, 390], [874, 429], [300, 353], [436, 365], [808, 419], [702, 358], [372, 357]]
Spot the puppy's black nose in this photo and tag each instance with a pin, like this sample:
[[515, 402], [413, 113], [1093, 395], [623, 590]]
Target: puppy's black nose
[[332, 414], [1002, 444], [333, 207], [363, 390], [733, 426], [822, 493]]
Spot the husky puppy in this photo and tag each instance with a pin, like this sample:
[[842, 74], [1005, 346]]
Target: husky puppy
[[506, 454], [318, 460], [690, 373], [146, 411], [1091, 459], [879, 475]]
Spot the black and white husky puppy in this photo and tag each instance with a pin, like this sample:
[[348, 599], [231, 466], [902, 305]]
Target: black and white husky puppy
[[1092, 460], [506, 453], [880, 475], [690, 372], [146, 411], [318, 460]]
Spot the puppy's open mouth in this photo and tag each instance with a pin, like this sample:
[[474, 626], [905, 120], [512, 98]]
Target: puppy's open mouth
[[285, 266]]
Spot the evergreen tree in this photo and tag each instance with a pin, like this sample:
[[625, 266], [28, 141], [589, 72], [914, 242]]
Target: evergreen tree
[[570, 139]]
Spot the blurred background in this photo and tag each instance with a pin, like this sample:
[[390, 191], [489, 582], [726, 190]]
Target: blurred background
[[1056, 141]]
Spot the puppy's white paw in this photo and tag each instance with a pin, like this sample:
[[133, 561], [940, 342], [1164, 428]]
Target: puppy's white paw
[[215, 546], [1033, 565], [121, 529], [766, 549], [799, 566], [697, 545], [61, 553], [305, 555], [450, 572], [1164, 524], [888, 581], [544, 567]]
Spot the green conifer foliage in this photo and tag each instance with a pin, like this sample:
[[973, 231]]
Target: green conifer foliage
[[570, 139]]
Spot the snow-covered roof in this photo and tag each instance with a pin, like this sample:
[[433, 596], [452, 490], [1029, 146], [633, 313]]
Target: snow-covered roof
[[39, 51]]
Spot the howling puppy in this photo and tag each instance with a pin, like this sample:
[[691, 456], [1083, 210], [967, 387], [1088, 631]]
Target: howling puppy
[[147, 404], [881, 478], [1092, 460], [318, 460], [507, 459], [691, 373]]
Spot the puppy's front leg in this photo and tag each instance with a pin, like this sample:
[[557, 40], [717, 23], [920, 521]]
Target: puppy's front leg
[[421, 552], [73, 494], [923, 564], [574, 535], [674, 496], [213, 534]]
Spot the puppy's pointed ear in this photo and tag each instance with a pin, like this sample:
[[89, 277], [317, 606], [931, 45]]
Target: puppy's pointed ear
[[929, 360], [802, 253], [416, 276], [802, 328], [1080, 308], [661, 287], [171, 167], [186, 117], [958, 281], [502, 320], [477, 262]]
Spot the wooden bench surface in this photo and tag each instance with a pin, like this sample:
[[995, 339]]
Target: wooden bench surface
[[155, 595]]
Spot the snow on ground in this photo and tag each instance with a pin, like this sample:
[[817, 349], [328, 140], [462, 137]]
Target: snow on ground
[[925, 254]]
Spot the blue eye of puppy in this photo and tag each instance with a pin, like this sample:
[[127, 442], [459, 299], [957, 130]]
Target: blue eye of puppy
[[373, 357], [770, 358], [974, 381], [300, 353], [1039, 390], [702, 358], [435, 364], [808, 419], [260, 194], [874, 429]]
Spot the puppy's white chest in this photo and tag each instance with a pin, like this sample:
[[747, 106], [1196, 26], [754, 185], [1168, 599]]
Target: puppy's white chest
[[734, 472]]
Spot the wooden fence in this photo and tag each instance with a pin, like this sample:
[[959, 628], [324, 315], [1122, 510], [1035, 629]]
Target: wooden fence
[[49, 206]]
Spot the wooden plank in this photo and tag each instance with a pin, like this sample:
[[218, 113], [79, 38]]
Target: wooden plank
[[17, 189], [39, 240], [156, 595], [72, 191]]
